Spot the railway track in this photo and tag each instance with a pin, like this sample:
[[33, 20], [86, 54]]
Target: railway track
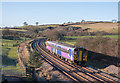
[[75, 72], [88, 69]]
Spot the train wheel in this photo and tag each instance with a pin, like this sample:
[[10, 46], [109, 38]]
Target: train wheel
[[61, 57], [72, 63], [66, 59]]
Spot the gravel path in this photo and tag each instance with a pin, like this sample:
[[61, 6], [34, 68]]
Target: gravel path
[[48, 72], [112, 69]]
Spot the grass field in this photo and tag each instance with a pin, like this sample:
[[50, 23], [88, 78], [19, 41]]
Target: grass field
[[9, 53], [13, 70], [107, 27], [110, 36], [71, 42], [15, 29], [9, 57], [9, 43], [13, 53]]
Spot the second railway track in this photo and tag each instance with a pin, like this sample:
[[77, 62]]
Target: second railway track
[[76, 73]]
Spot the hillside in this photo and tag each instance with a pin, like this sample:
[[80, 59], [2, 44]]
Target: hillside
[[107, 27]]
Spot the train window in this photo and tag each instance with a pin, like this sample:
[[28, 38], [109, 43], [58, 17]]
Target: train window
[[84, 54], [61, 49], [58, 48], [64, 50], [72, 53], [51, 45]]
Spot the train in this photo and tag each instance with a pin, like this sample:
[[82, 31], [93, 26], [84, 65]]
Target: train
[[72, 54]]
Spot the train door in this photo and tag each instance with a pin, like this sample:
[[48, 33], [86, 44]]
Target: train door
[[75, 55], [84, 55]]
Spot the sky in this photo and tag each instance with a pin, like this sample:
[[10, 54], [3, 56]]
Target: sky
[[15, 13]]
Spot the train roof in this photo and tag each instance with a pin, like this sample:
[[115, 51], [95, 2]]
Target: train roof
[[60, 43]]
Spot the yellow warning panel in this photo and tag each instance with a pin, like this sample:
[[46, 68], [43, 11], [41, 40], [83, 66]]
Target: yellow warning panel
[[80, 55]]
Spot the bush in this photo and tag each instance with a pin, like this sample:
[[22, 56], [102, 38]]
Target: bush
[[35, 59], [99, 44], [54, 35]]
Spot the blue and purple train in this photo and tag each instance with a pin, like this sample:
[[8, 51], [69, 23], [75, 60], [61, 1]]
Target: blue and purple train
[[70, 53]]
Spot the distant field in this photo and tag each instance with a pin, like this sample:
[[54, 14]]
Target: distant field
[[110, 36], [15, 30], [50, 25], [71, 42], [6, 42], [107, 27]]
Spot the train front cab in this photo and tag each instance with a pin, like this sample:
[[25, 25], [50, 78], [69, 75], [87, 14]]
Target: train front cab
[[80, 56]]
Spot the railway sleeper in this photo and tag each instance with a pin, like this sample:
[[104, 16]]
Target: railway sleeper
[[65, 59]]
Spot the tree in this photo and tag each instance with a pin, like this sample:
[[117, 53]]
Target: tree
[[114, 21], [35, 59], [83, 21], [36, 23], [25, 23], [54, 35]]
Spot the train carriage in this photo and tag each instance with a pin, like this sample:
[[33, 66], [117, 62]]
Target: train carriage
[[71, 53]]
